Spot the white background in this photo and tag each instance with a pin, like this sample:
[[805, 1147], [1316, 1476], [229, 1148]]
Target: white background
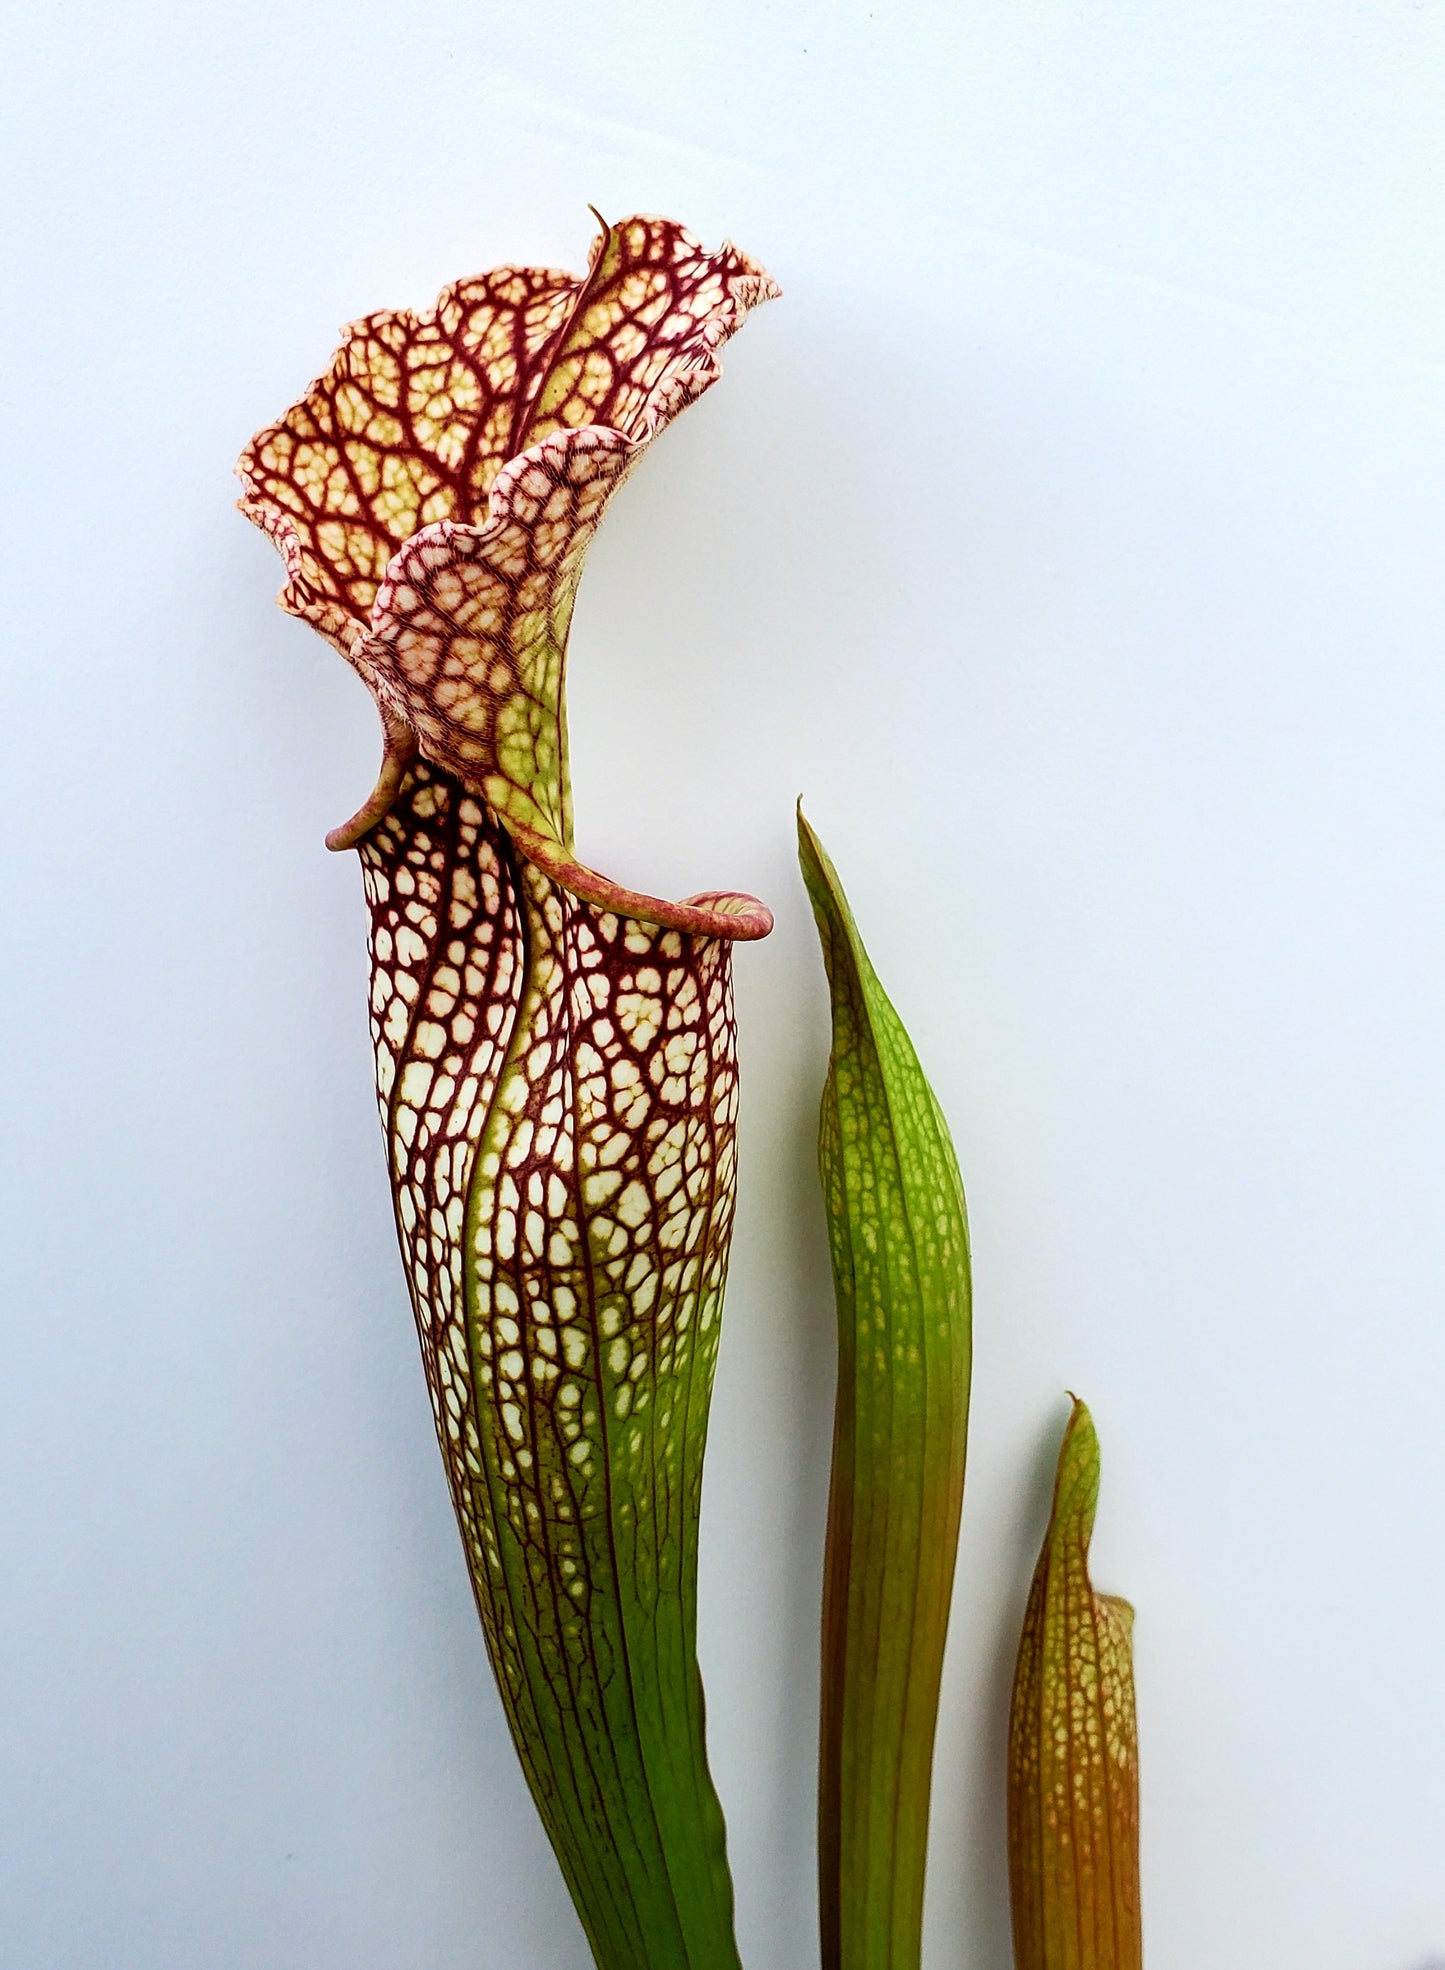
[[1071, 536]]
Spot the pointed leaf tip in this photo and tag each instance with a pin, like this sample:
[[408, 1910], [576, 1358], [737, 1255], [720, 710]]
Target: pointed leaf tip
[[898, 1234], [1073, 1771]]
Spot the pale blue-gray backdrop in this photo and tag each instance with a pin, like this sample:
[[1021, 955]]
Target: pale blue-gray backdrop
[[1071, 537]]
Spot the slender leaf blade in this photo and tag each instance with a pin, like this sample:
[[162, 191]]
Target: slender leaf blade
[[898, 1233]]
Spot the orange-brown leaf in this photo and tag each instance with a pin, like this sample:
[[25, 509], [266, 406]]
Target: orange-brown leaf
[[1073, 1777]]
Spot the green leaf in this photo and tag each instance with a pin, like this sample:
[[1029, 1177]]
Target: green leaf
[[898, 1232], [1073, 1775]]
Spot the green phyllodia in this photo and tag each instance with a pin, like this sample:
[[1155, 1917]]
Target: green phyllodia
[[555, 1053], [898, 1234]]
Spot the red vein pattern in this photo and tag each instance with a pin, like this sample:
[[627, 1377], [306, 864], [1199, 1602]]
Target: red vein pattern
[[555, 1053], [559, 1090], [418, 413], [434, 493]]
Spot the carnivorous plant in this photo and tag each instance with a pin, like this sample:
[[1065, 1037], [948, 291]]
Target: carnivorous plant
[[557, 1077], [555, 1053]]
